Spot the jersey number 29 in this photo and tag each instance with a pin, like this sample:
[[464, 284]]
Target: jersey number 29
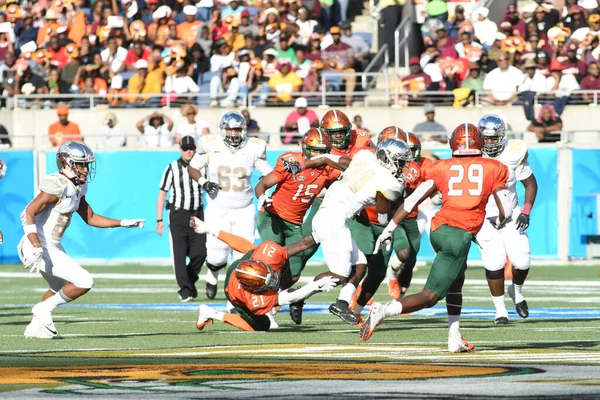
[[474, 178]]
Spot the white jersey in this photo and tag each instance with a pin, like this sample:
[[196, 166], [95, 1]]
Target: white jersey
[[231, 169], [54, 220], [514, 156], [359, 184]]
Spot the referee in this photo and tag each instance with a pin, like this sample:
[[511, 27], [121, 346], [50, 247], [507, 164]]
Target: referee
[[185, 201]]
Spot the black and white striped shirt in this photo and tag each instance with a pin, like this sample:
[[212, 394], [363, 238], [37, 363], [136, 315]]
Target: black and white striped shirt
[[186, 193]]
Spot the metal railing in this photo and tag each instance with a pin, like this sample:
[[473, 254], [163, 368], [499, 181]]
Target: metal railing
[[404, 27], [391, 95], [382, 57]]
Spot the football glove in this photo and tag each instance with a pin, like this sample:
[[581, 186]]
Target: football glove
[[132, 223], [264, 201], [385, 238], [202, 227], [495, 224], [326, 284], [211, 188], [293, 167], [33, 261], [522, 222]]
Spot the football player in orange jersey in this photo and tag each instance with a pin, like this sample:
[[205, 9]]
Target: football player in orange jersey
[[466, 181], [407, 238], [254, 284], [345, 141], [280, 215]]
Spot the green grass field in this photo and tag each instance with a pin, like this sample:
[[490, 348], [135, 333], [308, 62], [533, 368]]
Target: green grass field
[[130, 335]]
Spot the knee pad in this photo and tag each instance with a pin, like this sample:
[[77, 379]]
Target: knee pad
[[214, 268], [403, 255], [84, 281], [499, 274], [217, 257], [521, 262]]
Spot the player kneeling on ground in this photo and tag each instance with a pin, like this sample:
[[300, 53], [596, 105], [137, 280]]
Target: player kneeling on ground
[[253, 283], [45, 220]]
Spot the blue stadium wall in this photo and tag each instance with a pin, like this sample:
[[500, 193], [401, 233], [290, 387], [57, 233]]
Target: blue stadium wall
[[126, 186]]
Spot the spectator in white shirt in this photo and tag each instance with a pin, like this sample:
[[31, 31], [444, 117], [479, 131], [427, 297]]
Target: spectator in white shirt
[[223, 57], [534, 82], [156, 129], [114, 56], [177, 81], [228, 83], [466, 39], [111, 134], [191, 126], [501, 83], [485, 30]]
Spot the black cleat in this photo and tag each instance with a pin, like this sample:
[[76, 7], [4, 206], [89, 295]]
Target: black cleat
[[501, 321], [211, 290], [340, 308], [296, 312], [522, 309]]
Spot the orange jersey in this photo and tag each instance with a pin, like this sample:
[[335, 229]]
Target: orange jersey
[[59, 133], [360, 139], [258, 303], [293, 198], [466, 185], [416, 178]]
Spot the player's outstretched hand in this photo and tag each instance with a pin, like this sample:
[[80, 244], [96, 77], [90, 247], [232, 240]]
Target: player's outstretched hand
[[293, 167], [384, 239], [522, 222], [1, 238], [211, 188], [34, 262], [264, 201], [198, 225], [132, 223], [326, 284]]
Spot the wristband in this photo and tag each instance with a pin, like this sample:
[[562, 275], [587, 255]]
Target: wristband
[[526, 208], [202, 180], [159, 220], [302, 167], [30, 228]]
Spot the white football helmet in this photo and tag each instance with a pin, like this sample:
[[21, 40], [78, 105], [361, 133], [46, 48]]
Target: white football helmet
[[233, 129], [76, 161], [493, 130]]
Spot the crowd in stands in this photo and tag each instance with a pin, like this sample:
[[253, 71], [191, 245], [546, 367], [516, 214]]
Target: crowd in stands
[[538, 51], [132, 51]]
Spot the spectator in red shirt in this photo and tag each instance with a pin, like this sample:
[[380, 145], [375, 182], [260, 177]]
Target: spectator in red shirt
[[572, 62], [591, 82], [137, 52], [57, 53], [343, 55], [419, 79], [512, 15], [299, 121]]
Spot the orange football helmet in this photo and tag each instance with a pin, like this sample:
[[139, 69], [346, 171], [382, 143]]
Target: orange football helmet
[[338, 127], [315, 140], [466, 140], [257, 276], [392, 132]]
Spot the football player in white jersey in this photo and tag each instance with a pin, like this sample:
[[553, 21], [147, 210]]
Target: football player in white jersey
[[45, 220], [508, 239], [229, 159], [371, 179]]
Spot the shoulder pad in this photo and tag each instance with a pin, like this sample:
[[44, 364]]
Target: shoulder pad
[[54, 184], [516, 149]]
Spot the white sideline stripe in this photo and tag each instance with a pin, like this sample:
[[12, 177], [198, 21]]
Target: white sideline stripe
[[417, 281]]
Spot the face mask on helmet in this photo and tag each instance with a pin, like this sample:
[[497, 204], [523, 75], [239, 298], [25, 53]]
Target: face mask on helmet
[[314, 151], [493, 130], [393, 155], [257, 276], [76, 161], [233, 129], [340, 138], [416, 152]]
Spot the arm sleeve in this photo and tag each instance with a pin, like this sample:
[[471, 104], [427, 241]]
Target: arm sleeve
[[411, 201], [236, 243], [52, 185], [167, 179], [503, 195]]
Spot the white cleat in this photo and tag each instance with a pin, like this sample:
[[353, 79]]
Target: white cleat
[[34, 330], [271, 315], [374, 319], [205, 316], [44, 317], [458, 344]]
